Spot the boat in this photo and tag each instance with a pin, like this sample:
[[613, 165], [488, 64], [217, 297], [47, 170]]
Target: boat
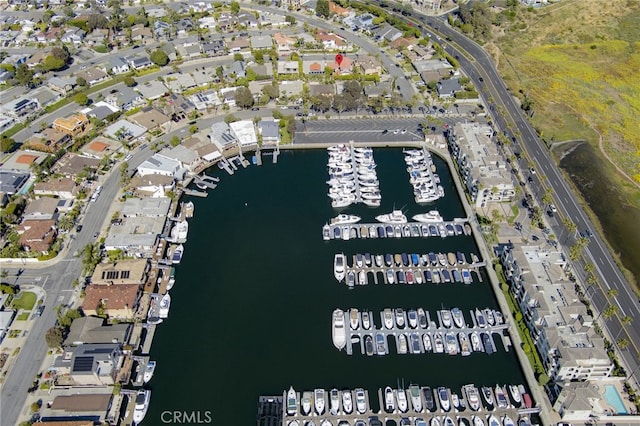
[[415, 259], [507, 421], [452, 343], [448, 421], [477, 421], [438, 343], [428, 398], [412, 316], [318, 400], [148, 371], [351, 278], [524, 421], [143, 397], [427, 275], [458, 318], [499, 317], [456, 275], [388, 259], [401, 397], [172, 278], [344, 219], [366, 322], [405, 259], [381, 344], [165, 304], [516, 397], [388, 318], [416, 401], [488, 313], [347, 402], [292, 401], [361, 401], [443, 397], [339, 266], [414, 339], [480, 318], [487, 343], [334, 401], [487, 394], [305, 403], [466, 276], [434, 422], [389, 400], [180, 231], [402, 344], [418, 277], [401, 277], [426, 341], [527, 400], [451, 258], [391, 277], [501, 398], [399, 314], [368, 345], [442, 259], [396, 216], [455, 401], [493, 421], [379, 259], [445, 316], [410, 279], [476, 344], [465, 346], [354, 319], [473, 397], [338, 332], [154, 309], [177, 254], [422, 318], [463, 422], [326, 232], [429, 217]]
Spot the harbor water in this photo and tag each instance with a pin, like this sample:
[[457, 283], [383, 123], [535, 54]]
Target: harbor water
[[254, 294]]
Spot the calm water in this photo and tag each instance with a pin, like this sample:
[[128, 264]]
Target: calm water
[[592, 176], [252, 304]]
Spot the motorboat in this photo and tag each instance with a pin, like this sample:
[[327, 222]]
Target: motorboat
[[344, 219], [487, 394], [415, 259], [457, 277], [465, 345], [451, 258], [480, 319], [401, 277], [434, 422], [418, 277], [446, 275], [153, 314], [326, 232], [165, 304], [149, 368], [442, 259], [292, 401], [399, 315], [487, 343], [362, 277], [516, 397], [477, 421], [432, 216], [476, 344], [412, 316], [338, 331], [466, 276], [391, 277], [438, 343], [379, 259], [402, 344], [351, 279], [339, 266], [473, 397], [445, 316], [347, 402], [414, 339], [179, 231], [388, 318], [318, 400], [334, 401], [488, 313], [507, 421], [458, 318], [428, 398], [524, 421], [448, 421], [389, 400], [443, 397], [396, 216], [354, 318], [422, 318], [368, 345], [452, 343], [493, 421], [177, 254], [420, 422], [361, 401], [416, 401], [381, 344], [401, 397], [499, 317], [426, 341], [427, 275], [463, 422], [143, 397], [366, 322], [501, 397], [305, 403], [410, 279], [455, 401]]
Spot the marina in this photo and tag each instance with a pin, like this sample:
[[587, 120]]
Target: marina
[[423, 176], [407, 407], [350, 231], [419, 336], [352, 177]]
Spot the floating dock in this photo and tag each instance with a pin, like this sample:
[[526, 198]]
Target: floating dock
[[451, 228], [412, 411], [195, 193]]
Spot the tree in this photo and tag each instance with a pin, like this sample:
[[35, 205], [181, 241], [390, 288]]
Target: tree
[[290, 20], [81, 82], [235, 7], [68, 317], [613, 292], [61, 53], [54, 337], [6, 144], [623, 343], [322, 8], [24, 76], [125, 178], [159, 57], [129, 81], [543, 379], [96, 20], [175, 141], [238, 57], [271, 90], [81, 99], [243, 97], [51, 63]]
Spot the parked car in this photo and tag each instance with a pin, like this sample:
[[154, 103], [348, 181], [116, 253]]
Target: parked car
[[39, 311]]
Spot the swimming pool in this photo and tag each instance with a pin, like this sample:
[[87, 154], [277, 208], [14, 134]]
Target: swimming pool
[[613, 399]]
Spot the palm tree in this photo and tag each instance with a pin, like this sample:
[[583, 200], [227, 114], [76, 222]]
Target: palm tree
[[592, 280], [589, 268], [622, 343], [547, 198], [608, 312], [571, 227], [613, 292]]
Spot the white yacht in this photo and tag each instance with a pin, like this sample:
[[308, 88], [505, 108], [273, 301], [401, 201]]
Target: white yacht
[[366, 322], [354, 318], [430, 217], [165, 304], [507, 421], [148, 371], [443, 397], [400, 317], [177, 254], [361, 401], [345, 219], [334, 401], [402, 344], [458, 317], [493, 421], [516, 397], [143, 397], [180, 231], [305, 403], [396, 216], [339, 266], [347, 402], [477, 421], [438, 343], [338, 331], [292, 401], [426, 341], [445, 316], [318, 400], [401, 397], [416, 400], [473, 397], [388, 318], [501, 397], [389, 400]]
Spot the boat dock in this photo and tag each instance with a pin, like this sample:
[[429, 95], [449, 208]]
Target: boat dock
[[142, 365], [270, 411], [148, 338], [412, 411], [450, 228], [356, 337], [195, 193], [225, 165]]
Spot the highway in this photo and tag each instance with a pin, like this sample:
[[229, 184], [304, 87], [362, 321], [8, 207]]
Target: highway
[[508, 115]]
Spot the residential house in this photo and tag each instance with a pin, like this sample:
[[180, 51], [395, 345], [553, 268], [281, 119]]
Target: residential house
[[188, 158], [270, 132], [313, 67], [170, 50], [179, 82], [71, 164], [100, 147], [73, 125], [261, 42], [135, 236], [93, 75], [90, 330], [45, 208], [91, 364], [207, 22], [336, 9], [154, 186], [161, 29], [285, 45], [101, 112], [20, 108], [448, 88], [318, 89], [116, 301], [213, 47], [74, 36], [62, 187], [36, 235], [139, 62], [344, 67], [185, 25], [387, 32], [62, 406], [291, 4], [62, 85], [245, 132], [288, 67], [151, 119], [125, 99], [124, 130], [330, 41], [152, 89], [141, 33], [189, 50], [291, 88], [248, 19], [118, 65], [125, 271], [97, 37], [222, 137], [49, 140], [205, 100], [234, 70], [238, 45], [160, 165], [369, 65]]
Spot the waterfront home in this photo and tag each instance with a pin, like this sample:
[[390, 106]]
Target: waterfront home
[[124, 271], [90, 364], [244, 131], [152, 186], [222, 137], [270, 131], [87, 330], [64, 404], [187, 157], [135, 236], [115, 301]]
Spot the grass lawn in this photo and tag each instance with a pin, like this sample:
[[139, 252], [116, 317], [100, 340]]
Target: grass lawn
[[23, 316], [25, 300]]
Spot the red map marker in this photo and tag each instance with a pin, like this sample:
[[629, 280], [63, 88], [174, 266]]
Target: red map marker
[[339, 59]]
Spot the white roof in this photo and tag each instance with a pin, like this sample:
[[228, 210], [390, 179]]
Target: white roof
[[244, 132]]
